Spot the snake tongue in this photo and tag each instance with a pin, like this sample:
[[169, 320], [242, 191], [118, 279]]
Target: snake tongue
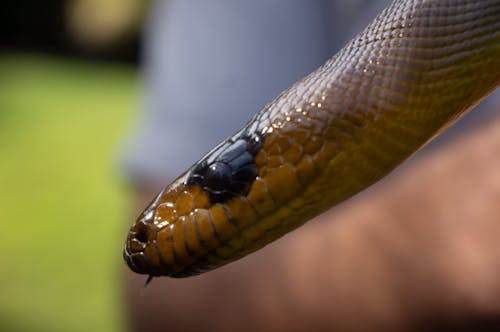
[[148, 280]]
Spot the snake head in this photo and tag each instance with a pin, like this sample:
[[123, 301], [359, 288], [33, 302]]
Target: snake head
[[150, 241], [182, 229]]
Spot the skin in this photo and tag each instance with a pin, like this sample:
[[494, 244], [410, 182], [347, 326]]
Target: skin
[[416, 69], [418, 252], [374, 270]]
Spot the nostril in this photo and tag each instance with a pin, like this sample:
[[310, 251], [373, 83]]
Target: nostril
[[138, 237], [141, 235]]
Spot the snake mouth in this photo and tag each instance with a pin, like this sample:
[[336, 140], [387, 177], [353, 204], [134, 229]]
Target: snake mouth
[[135, 261], [140, 236], [134, 252], [142, 255], [134, 249]]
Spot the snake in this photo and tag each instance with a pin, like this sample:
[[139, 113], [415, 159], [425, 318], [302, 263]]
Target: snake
[[409, 75]]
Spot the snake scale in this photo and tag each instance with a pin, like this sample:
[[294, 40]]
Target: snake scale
[[412, 72]]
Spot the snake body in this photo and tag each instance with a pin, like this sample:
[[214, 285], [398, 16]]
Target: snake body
[[412, 72]]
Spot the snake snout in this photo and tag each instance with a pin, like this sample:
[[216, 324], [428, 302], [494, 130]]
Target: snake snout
[[140, 240], [136, 243]]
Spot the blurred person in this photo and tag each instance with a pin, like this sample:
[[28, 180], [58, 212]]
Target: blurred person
[[209, 66]]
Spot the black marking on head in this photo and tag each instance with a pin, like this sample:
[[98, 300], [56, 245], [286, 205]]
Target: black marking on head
[[229, 169]]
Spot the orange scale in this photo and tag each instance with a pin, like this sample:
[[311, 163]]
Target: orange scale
[[200, 199], [252, 234], [152, 256], [273, 150], [171, 194], [284, 140], [282, 183], [206, 229], [269, 140], [275, 161], [194, 190], [262, 170], [184, 203], [325, 154], [260, 197], [164, 242], [261, 158], [305, 170], [301, 136], [165, 212], [293, 154], [181, 253], [224, 226], [192, 238], [242, 211], [313, 145]]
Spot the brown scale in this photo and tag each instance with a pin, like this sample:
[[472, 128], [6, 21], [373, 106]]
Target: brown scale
[[327, 137], [189, 228]]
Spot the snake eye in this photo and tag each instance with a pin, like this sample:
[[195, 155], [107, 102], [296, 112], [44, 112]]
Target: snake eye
[[228, 170], [218, 176]]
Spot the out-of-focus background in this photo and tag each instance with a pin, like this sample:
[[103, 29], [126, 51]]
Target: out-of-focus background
[[68, 86]]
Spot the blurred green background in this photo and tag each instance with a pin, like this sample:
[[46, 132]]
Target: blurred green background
[[62, 201], [68, 86]]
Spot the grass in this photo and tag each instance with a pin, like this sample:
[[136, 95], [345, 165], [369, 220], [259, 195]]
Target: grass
[[62, 206]]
